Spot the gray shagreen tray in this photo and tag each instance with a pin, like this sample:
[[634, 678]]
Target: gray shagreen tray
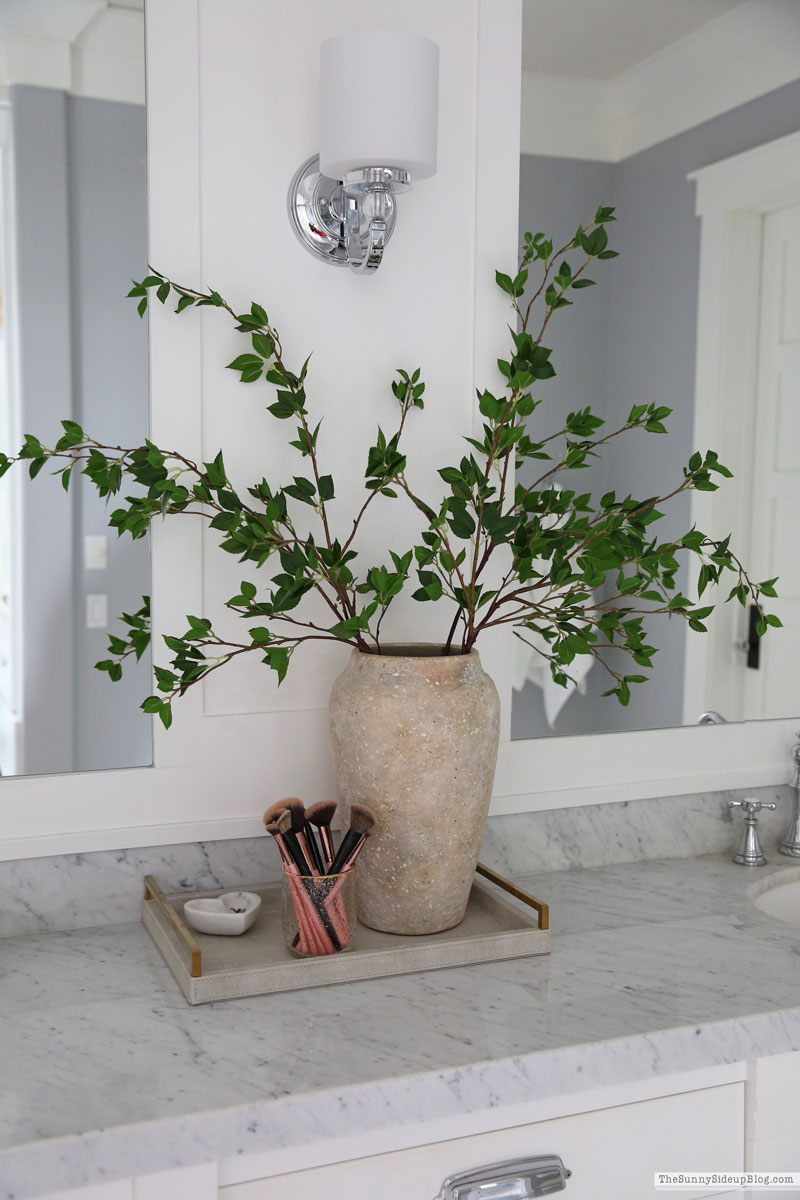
[[224, 968]]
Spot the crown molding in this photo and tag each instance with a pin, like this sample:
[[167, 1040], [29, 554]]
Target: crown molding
[[567, 118], [737, 58], [105, 61]]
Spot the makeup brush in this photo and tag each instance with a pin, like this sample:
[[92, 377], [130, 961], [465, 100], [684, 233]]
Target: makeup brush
[[334, 900], [274, 813], [313, 851], [307, 936], [304, 840], [362, 823], [350, 860], [321, 815], [317, 905]]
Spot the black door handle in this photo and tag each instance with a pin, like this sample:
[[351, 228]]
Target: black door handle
[[753, 643]]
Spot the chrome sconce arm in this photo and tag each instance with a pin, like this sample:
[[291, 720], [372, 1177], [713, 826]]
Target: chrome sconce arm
[[346, 221]]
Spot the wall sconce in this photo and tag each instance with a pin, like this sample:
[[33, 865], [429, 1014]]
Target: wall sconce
[[379, 99]]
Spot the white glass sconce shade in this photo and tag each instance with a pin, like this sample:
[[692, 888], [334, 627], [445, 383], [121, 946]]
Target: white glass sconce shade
[[379, 103]]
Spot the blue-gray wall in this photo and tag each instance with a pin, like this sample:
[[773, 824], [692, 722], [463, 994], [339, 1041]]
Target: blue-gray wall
[[556, 196], [648, 299], [80, 199], [43, 270]]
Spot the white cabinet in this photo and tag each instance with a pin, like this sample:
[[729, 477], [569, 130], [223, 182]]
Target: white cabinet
[[183, 1183], [612, 1153], [120, 1189], [773, 1115]]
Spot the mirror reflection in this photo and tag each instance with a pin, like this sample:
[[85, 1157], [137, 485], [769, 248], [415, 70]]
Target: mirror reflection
[[601, 122], [72, 234]]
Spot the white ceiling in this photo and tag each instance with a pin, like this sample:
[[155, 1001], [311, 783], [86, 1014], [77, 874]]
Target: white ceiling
[[589, 39]]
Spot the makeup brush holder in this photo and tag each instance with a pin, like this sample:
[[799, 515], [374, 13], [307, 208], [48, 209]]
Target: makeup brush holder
[[318, 912]]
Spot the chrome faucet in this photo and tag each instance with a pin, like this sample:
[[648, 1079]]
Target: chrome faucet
[[791, 841], [750, 853]]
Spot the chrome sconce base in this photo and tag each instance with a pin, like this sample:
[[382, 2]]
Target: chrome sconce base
[[346, 222]]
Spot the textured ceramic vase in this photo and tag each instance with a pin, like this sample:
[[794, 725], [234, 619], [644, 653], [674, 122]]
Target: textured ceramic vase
[[414, 736]]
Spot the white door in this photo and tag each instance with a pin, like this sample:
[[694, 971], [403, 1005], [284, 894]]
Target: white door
[[772, 690]]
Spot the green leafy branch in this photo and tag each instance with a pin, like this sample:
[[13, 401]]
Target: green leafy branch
[[565, 547], [257, 524], [562, 548]]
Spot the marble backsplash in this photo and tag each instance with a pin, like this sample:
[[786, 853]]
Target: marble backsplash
[[105, 887]]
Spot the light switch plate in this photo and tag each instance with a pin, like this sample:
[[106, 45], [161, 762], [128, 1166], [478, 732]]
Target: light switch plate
[[95, 552], [97, 611]]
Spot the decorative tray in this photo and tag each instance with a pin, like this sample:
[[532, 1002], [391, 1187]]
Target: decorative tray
[[225, 968]]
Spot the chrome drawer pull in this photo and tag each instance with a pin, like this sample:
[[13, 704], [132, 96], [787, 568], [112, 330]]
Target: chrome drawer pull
[[514, 1179]]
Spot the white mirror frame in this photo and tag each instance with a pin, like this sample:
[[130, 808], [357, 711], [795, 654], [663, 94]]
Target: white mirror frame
[[732, 197], [209, 774]]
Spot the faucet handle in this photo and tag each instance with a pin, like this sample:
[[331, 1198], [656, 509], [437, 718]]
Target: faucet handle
[[750, 853], [750, 805]]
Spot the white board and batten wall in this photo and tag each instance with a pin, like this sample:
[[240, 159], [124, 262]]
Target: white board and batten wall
[[233, 101]]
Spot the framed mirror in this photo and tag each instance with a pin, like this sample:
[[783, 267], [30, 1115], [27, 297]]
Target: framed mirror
[[204, 60], [642, 114], [73, 231]]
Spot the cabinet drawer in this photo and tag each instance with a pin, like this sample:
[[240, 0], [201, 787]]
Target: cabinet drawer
[[612, 1153]]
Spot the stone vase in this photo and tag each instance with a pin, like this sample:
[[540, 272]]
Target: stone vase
[[414, 736]]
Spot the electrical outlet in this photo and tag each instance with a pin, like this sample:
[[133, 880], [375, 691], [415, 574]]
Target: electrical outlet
[[97, 611]]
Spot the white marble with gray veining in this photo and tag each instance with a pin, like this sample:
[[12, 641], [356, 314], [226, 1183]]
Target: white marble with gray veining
[[602, 834], [657, 967], [73, 891]]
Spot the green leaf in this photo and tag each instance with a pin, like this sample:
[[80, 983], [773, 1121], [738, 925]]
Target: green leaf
[[73, 434], [215, 471], [277, 657], [282, 409], [490, 407], [326, 487], [246, 362], [594, 243], [504, 282], [460, 521]]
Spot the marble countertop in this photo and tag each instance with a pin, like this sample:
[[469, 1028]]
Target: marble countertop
[[656, 967]]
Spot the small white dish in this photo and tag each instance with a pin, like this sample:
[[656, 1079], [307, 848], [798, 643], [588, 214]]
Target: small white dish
[[228, 915]]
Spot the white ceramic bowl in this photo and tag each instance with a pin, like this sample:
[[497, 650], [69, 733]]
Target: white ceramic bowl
[[219, 915]]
